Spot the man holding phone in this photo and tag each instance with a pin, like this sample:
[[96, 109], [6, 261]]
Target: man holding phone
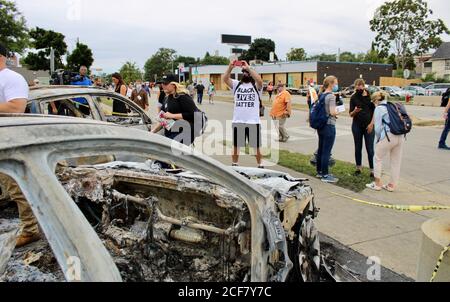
[[247, 104]]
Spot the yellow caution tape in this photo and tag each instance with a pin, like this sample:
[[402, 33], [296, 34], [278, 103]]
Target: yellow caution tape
[[402, 208], [406, 208], [439, 263]]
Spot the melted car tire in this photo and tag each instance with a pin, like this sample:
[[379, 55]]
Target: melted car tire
[[298, 247]]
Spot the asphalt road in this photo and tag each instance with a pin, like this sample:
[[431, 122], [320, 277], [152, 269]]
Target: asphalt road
[[423, 164]]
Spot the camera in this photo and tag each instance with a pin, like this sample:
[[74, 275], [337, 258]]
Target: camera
[[64, 77]]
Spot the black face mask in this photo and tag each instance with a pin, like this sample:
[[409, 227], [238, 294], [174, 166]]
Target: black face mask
[[246, 79]]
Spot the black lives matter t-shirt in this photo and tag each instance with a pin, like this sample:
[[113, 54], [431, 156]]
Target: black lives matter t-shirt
[[246, 103]]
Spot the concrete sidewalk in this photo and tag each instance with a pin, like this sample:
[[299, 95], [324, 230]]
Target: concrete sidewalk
[[392, 236]]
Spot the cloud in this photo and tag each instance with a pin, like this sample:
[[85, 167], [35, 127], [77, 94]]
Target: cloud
[[132, 30]]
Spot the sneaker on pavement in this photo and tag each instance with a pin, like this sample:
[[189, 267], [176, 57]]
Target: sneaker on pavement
[[444, 147], [330, 179], [319, 176]]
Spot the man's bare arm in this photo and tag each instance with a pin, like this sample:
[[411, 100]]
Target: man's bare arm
[[14, 106], [227, 76]]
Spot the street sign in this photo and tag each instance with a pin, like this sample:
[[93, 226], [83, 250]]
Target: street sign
[[236, 40]]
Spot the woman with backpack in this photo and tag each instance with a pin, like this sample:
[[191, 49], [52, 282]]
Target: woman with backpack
[[326, 108], [386, 143], [362, 111]]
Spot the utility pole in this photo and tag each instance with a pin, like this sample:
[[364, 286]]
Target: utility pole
[[52, 60]]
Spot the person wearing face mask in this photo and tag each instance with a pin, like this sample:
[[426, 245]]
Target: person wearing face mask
[[140, 96], [247, 109], [362, 111], [327, 133]]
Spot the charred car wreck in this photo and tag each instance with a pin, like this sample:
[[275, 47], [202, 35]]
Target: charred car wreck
[[128, 221]]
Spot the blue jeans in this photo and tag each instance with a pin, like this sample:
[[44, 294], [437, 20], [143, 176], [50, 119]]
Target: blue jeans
[[200, 98], [327, 137], [445, 133], [360, 134]]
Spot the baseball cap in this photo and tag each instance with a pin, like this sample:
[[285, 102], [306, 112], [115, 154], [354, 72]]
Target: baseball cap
[[3, 50], [169, 78]]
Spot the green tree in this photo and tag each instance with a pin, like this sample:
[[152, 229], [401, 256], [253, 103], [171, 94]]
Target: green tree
[[43, 40], [323, 57], [130, 72], [81, 56], [348, 56], [13, 29], [214, 60], [296, 54], [405, 27], [160, 63], [186, 60], [374, 56], [260, 49]]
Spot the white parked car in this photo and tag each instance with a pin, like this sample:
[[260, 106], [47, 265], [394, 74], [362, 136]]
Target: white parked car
[[437, 89], [395, 91]]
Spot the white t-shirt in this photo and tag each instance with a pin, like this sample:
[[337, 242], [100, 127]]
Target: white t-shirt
[[12, 86], [246, 104]]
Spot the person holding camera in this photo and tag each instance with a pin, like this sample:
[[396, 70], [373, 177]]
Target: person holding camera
[[82, 79], [13, 99], [247, 110], [362, 111]]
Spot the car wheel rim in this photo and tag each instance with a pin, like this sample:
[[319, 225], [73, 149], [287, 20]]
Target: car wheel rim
[[309, 251]]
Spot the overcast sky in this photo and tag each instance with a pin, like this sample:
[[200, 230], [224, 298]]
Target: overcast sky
[[132, 30]]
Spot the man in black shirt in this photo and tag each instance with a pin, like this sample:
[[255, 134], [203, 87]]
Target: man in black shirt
[[200, 91], [362, 111]]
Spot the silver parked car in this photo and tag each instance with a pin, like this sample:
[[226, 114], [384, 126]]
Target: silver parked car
[[416, 90], [437, 89], [395, 91]]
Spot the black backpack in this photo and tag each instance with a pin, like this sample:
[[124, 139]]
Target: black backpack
[[400, 121], [200, 123], [262, 109]]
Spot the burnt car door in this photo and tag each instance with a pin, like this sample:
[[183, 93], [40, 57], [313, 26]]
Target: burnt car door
[[80, 106], [134, 118]]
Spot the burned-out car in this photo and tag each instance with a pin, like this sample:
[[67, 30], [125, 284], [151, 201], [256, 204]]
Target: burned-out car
[[88, 103], [84, 102], [131, 221]]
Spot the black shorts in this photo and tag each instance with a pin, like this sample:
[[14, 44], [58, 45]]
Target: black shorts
[[244, 134]]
